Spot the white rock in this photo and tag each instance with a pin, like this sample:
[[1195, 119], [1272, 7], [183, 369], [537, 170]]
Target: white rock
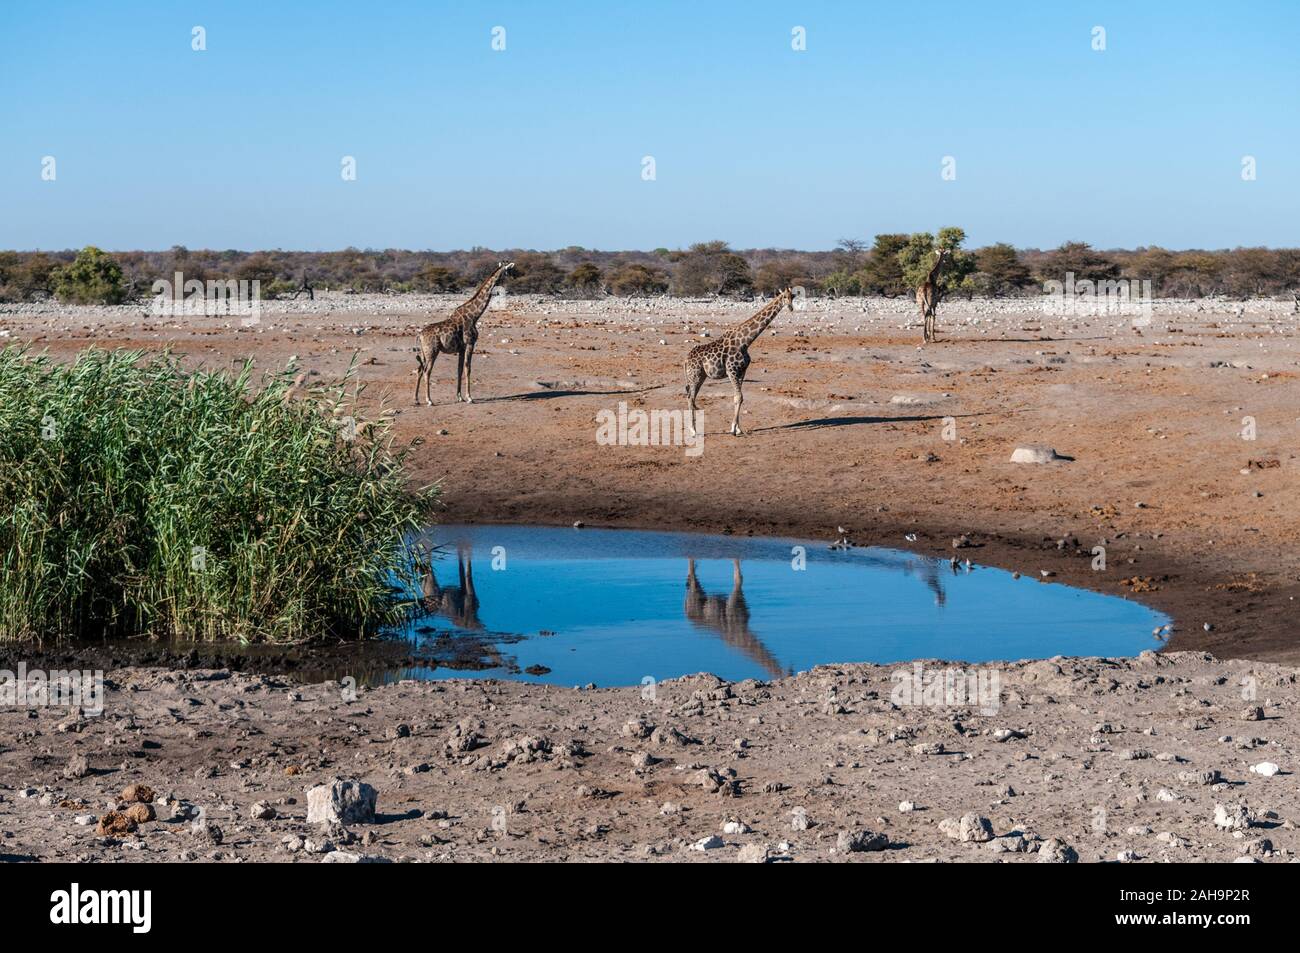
[[1034, 453], [341, 802], [1266, 768], [967, 828], [711, 842], [1238, 817]]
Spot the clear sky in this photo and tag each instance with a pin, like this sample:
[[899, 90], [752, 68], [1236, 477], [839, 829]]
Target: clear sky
[[541, 145]]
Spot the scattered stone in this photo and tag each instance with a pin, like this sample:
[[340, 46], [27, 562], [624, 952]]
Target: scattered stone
[[712, 842], [1055, 851], [852, 842], [262, 811], [1034, 453], [1233, 817], [341, 802], [1265, 768], [968, 828], [755, 854], [78, 767]]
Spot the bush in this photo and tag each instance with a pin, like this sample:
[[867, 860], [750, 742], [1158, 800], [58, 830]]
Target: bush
[[585, 278], [144, 500], [636, 279], [883, 275], [437, 279], [712, 268], [94, 277]]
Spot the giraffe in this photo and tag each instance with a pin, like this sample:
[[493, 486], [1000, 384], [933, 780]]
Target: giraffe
[[728, 616], [456, 335], [728, 357], [927, 294]]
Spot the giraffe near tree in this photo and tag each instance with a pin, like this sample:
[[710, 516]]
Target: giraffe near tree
[[927, 295], [456, 335], [728, 357], [935, 268]]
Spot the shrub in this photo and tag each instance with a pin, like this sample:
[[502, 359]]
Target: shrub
[[141, 499], [637, 279], [94, 277], [585, 277]]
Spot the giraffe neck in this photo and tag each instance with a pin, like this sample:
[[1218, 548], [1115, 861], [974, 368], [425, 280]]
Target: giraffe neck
[[748, 331], [938, 263], [473, 309]]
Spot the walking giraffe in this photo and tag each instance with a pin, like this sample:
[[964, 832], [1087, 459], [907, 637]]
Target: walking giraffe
[[456, 335], [728, 356]]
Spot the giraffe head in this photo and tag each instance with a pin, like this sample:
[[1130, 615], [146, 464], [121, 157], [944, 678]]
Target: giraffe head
[[788, 295], [505, 267]]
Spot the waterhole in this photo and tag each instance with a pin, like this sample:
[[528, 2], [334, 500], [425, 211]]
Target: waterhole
[[619, 607]]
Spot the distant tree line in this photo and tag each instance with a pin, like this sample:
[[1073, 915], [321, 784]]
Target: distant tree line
[[886, 266]]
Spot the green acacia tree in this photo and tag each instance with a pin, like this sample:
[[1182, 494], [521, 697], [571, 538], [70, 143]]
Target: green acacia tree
[[94, 277], [934, 268]]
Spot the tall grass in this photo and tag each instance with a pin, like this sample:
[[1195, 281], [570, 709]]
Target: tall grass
[[141, 498]]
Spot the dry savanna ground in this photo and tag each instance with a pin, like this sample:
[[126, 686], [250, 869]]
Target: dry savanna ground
[[1102, 759]]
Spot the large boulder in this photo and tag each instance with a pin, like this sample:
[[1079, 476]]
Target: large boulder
[[341, 802]]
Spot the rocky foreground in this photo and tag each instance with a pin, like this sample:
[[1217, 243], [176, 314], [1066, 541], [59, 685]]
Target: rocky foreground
[[1177, 757]]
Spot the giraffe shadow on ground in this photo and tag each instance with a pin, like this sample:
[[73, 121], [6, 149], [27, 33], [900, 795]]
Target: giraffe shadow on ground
[[549, 394], [1060, 340], [821, 422]]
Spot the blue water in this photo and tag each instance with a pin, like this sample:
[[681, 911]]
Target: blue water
[[614, 606]]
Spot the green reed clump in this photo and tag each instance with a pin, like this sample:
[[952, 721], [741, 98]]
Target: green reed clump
[[140, 498]]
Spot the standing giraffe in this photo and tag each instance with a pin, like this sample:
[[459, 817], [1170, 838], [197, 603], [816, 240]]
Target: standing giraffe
[[456, 335], [728, 356], [927, 294]]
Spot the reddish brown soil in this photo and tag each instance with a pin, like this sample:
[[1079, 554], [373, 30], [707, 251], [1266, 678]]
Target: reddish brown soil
[[1145, 416]]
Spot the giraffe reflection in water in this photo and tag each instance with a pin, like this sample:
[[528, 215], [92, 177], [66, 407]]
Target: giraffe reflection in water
[[728, 616], [929, 572], [458, 604]]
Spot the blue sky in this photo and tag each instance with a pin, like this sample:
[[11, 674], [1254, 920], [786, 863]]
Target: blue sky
[[541, 145]]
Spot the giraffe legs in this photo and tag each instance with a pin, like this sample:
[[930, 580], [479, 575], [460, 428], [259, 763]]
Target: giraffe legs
[[736, 383], [426, 370], [694, 381], [469, 387], [460, 371]]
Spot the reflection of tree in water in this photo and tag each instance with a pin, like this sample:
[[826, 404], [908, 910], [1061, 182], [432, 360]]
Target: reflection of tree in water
[[729, 617], [929, 573], [457, 603]]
